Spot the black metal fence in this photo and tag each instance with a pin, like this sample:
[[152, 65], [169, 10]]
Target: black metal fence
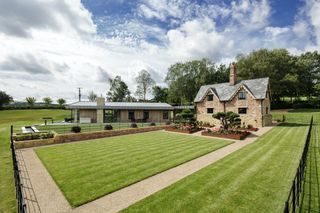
[[22, 208], [294, 195]]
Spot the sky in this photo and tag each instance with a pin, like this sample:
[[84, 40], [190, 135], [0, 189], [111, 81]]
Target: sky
[[52, 47]]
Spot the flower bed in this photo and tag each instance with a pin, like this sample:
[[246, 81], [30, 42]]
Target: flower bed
[[183, 129], [252, 129], [237, 135]]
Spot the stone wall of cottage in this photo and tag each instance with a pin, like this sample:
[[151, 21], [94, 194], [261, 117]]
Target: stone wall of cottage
[[267, 117], [201, 107], [256, 110]]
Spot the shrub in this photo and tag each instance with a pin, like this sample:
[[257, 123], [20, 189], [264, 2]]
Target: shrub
[[76, 129], [168, 123], [134, 125], [152, 124], [250, 126], [108, 127], [283, 118]]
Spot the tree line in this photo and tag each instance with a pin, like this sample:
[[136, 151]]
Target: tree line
[[292, 77], [31, 101]]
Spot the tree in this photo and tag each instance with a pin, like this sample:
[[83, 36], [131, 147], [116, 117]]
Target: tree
[[275, 64], [31, 101], [47, 101], [61, 102], [228, 119], [185, 79], [307, 67], [145, 83], [160, 94], [118, 90], [92, 96], [4, 99]]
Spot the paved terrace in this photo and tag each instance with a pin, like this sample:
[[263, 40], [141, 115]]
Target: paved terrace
[[45, 196]]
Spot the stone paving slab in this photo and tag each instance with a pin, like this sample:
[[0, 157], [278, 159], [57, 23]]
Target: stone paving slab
[[51, 199]]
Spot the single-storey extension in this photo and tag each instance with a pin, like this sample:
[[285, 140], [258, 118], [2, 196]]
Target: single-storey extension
[[101, 111]]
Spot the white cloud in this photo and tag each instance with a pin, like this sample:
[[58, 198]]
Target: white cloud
[[162, 9], [197, 38], [300, 28], [313, 10], [20, 18], [275, 31], [251, 14]]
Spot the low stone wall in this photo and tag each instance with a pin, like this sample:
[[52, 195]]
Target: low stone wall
[[33, 143], [240, 136], [84, 136], [182, 130]]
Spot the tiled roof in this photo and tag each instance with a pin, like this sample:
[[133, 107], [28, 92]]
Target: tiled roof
[[258, 87], [120, 105]]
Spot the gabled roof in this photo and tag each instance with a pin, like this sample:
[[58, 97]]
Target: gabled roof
[[258, 87], [120, 105]]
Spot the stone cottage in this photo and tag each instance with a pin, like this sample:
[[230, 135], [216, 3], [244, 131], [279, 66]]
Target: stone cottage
[[249, 98]]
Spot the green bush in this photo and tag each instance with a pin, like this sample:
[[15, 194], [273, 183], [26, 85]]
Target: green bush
[[108, 127], [76, 129], [134, 125], [152, 124]]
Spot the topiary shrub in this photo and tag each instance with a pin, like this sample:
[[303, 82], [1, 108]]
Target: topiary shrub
[[76, 129], [134, 125], [108, 127], [152, 124]]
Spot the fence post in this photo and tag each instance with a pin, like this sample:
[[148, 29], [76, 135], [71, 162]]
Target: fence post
[[286, 207], [294, 196], [11, 135]]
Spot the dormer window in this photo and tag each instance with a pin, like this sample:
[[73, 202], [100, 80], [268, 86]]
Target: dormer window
[[210, 98], [242, 96]]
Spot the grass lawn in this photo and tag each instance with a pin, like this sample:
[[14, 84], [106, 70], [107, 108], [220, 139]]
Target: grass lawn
[[257, 178], [87, 170], [18, 118]]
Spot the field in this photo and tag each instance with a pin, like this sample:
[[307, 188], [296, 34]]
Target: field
[[101, 166], [18, 118], [256, 178]]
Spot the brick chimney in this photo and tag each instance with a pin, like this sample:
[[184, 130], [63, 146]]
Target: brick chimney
[[100, 101], [233, 79]]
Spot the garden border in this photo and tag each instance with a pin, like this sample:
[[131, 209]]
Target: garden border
[[228, 136], [64, 138]]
